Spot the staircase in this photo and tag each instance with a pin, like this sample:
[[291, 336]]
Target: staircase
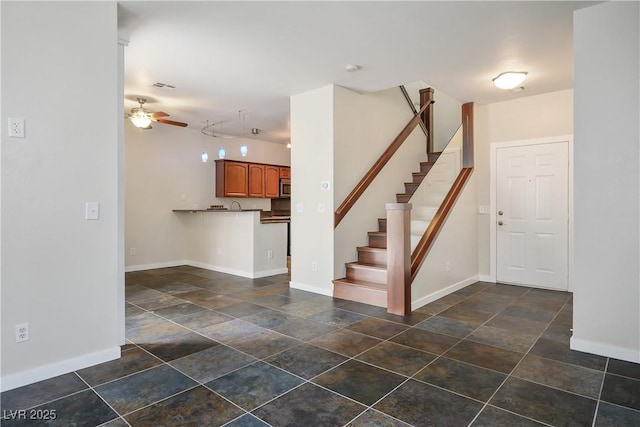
[[366, 279]]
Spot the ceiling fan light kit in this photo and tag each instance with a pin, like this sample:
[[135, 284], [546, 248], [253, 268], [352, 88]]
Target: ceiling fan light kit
[[142, 118]]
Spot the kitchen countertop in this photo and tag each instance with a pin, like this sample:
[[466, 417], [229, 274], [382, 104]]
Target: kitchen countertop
[[269, 219], [215, 210]]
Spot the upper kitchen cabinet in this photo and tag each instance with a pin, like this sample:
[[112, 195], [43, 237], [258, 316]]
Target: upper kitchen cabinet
[[256, 180], [272, 181], [246, 179], [285, 173], [232, 179]]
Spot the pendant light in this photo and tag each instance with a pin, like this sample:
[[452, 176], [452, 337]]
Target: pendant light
[[243, 148], [204, 156]]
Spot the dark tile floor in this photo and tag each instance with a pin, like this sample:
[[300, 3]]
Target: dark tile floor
[[209, 349]]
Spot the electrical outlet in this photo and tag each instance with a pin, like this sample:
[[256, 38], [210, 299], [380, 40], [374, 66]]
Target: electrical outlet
[[22, 332], [269, 254], [218, 251], [132, 251], [16, 127], [447, 266], [314, 265]]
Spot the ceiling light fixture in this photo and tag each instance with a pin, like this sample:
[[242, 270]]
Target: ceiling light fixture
[[204, 156], [140, 117], [352, 68], [510, 79]]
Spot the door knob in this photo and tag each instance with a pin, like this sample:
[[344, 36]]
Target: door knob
[[500, 223], [500, 213]]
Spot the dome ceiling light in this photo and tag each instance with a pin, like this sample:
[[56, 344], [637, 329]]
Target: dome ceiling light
[[510, 79]]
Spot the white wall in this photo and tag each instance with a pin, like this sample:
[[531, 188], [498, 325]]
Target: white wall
[[164, 172], [538, 116], [312, 163], [606, 175], [452, 261], [59, 271]]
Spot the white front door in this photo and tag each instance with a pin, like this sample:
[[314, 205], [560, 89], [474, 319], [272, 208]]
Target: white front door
[[532, 208]]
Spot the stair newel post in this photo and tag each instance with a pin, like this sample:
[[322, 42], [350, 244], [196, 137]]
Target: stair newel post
[[399, 258], [426, 97]]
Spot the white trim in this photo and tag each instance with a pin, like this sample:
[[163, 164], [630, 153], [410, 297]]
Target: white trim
[[311, 288], [242, 273], [442, 292], [485, 278], [493, 149], [628, 354], [31, 376], [153, 266]]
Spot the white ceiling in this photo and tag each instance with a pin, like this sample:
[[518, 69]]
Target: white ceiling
[[223, 57]]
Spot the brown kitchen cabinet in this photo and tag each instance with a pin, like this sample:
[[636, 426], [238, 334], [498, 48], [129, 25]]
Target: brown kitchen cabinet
[[232, 179], [246, 179], [272, 181], [256, 180]]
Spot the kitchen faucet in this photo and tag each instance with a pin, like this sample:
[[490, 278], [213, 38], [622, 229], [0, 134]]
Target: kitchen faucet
[[236, 202]]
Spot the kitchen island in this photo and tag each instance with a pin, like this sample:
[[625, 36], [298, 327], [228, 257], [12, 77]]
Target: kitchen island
[[235, 242]]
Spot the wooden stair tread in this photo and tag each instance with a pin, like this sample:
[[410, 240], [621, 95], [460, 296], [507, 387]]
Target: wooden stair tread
[[357, 265], [371, 249]]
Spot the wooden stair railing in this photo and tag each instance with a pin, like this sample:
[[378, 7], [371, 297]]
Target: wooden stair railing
[[386, 268], [384, 158]]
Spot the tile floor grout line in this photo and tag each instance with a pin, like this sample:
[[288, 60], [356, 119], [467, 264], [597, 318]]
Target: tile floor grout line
[[599, 399], [100, 397]]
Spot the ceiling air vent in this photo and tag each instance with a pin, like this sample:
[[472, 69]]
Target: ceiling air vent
[[161, 85]]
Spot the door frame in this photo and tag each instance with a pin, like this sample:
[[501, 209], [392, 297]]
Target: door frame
[[493, 247]]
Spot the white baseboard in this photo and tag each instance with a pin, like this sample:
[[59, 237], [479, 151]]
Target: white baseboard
[[31, 376], [442, 292], [167, 264], [235, 272], [242, 273], [486, 278], [606, 350], [309, 288]]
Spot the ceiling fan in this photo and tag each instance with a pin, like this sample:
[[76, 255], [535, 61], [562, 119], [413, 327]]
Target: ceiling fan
[[142, 118]]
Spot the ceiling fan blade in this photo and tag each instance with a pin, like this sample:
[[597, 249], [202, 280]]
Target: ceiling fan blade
[[170, 122], [159, 114]]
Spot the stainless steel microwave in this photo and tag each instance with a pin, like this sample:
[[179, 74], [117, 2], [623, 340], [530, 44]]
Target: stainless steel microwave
[[285, 188]]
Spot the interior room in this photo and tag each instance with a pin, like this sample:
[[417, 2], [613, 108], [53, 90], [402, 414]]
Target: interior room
[[321, 213]]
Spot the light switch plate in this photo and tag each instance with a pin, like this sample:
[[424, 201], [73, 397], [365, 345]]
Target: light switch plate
[[483, 209], [92, 210]]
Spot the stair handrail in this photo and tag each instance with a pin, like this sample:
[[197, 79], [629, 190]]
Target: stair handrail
[[375, 169]]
